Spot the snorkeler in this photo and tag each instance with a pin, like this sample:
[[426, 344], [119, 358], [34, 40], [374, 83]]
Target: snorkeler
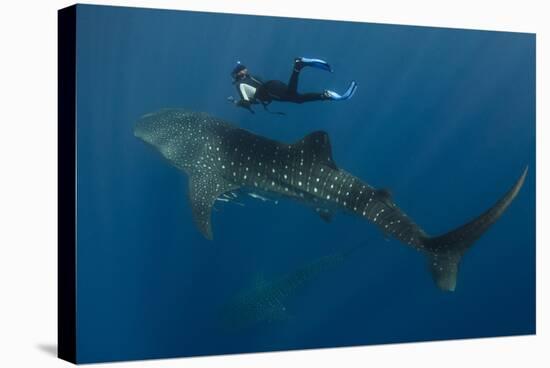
[[253, 90]]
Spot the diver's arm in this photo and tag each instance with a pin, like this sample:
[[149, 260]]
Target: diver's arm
[[246, 89], [245, 104], [241, 103]]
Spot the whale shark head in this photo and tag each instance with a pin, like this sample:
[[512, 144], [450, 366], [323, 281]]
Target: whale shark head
[[160, 128], [178, 135]]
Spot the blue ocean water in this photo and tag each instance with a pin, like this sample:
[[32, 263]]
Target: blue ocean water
[[443, 118]]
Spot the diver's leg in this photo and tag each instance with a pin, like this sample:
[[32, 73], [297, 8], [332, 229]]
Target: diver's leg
[[307, 97], [293, 81], [315, 63], [299, 63], [272, 90], [326, 95], [331, 95]]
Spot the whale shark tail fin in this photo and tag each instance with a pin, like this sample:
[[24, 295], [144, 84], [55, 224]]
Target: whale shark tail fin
[[446, 251]]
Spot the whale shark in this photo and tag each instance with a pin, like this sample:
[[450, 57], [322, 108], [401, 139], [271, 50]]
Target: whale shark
[[220, 158], [265, 300]]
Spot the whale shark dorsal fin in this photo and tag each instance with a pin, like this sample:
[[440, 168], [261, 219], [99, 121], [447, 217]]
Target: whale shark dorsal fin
[[204, 188], [384, 195], [318, 145]]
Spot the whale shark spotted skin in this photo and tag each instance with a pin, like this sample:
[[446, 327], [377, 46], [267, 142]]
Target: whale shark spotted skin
[[219, 158], [265, 301]]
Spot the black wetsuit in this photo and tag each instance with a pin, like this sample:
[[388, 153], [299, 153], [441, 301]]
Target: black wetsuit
[[252, 91]]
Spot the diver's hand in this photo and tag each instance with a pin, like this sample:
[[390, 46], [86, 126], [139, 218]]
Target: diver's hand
[[242, 103]]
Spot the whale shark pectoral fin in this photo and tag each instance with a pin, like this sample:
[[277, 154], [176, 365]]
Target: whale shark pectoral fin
[[317, 145], [277, 312], [259, 282], [325, 214], [204, 188]]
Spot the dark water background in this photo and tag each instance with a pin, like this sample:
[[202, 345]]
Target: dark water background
[[445, 119]]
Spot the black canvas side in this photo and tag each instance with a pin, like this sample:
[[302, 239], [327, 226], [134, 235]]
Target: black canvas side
[[66, 187]]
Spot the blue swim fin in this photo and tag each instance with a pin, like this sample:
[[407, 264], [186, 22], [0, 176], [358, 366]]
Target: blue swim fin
[[300, 62], [331, 95]]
